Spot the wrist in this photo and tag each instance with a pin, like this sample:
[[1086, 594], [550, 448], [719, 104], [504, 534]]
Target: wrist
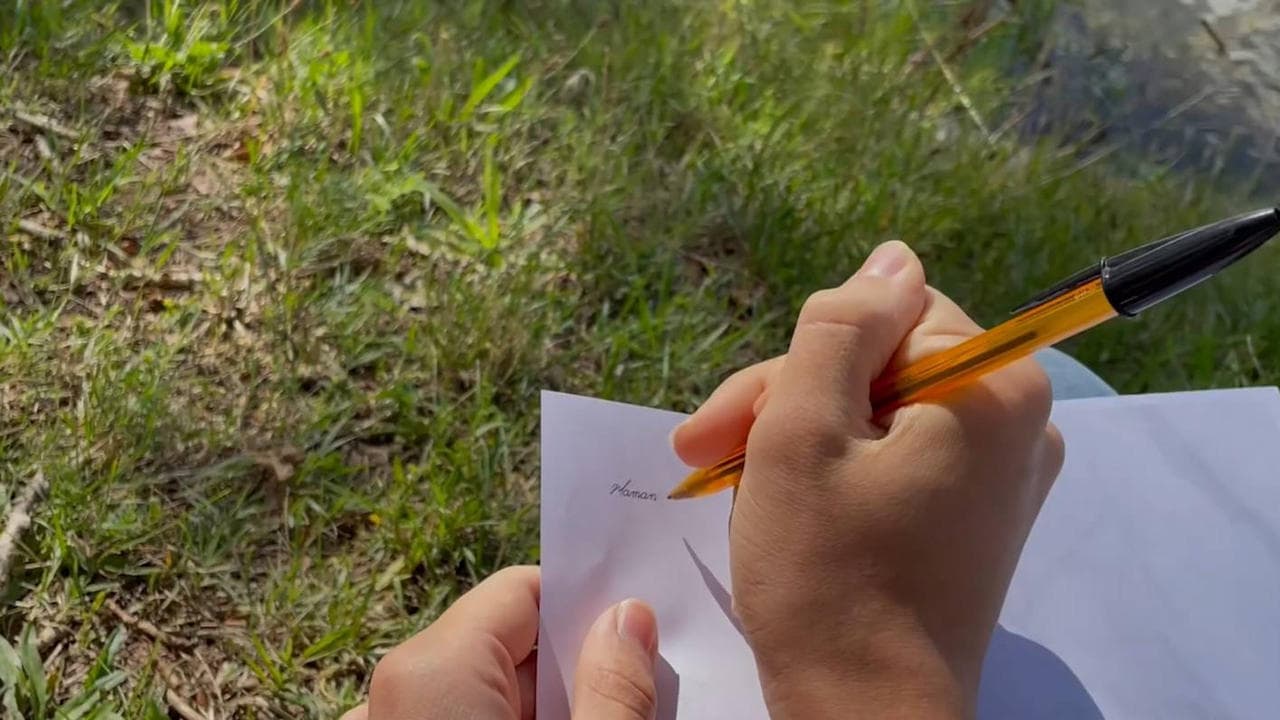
[[899, 678]]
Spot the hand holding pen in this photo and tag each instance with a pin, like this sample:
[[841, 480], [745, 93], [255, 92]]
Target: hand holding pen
[[1124, 284], [869, 557]]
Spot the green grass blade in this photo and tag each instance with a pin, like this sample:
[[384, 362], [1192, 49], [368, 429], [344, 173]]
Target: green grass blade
[[516, 96], [33, 669], [483, 88], [492, 195], [355, 97], [470, 228]]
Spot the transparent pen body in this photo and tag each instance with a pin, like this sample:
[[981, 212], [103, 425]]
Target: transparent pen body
[[1068, 314]]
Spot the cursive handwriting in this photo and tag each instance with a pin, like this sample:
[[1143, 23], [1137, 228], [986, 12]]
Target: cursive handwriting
[[624, 490]]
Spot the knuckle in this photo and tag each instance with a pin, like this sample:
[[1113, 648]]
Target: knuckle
[[506, 573], [741, 376], [635, 696], [856, 306], [1048, 464], [877, 312], [1055, 452], [818, 305], [792, 434], [511, 574], [1028, 394], [1038, 392], [489, 651]]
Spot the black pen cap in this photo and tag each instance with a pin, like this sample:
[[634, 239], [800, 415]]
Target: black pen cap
[[1134, 281]]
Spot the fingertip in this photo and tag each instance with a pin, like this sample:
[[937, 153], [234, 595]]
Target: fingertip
[[685, 443], [678, 439], [703, 444], [897, 266], [893, 260], [911, 280]]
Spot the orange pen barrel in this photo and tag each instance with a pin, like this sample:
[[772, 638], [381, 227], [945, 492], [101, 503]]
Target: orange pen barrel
[[1070, 313]]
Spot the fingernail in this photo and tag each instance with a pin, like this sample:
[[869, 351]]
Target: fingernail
[[885, 261], [637, 624]]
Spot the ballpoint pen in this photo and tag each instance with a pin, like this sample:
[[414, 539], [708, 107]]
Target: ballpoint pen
[[1124, 284]]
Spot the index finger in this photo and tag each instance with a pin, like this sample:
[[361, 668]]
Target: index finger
[[721, 424]]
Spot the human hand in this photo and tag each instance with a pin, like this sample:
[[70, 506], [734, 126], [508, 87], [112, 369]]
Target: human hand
[[870, 559], [478, 660]]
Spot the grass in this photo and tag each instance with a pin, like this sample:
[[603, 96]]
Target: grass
[[281, 281]]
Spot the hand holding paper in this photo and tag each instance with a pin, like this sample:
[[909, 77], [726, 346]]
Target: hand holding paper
[[478, 660]]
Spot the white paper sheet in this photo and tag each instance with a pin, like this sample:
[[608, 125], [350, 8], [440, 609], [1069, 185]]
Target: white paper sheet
[[1150, 587], [1153, 574], [609, 533]]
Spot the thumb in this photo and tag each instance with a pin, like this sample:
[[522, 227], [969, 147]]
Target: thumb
[[615, 678], [845, 336]]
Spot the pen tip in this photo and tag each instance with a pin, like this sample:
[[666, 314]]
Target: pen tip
[[682, 491]]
